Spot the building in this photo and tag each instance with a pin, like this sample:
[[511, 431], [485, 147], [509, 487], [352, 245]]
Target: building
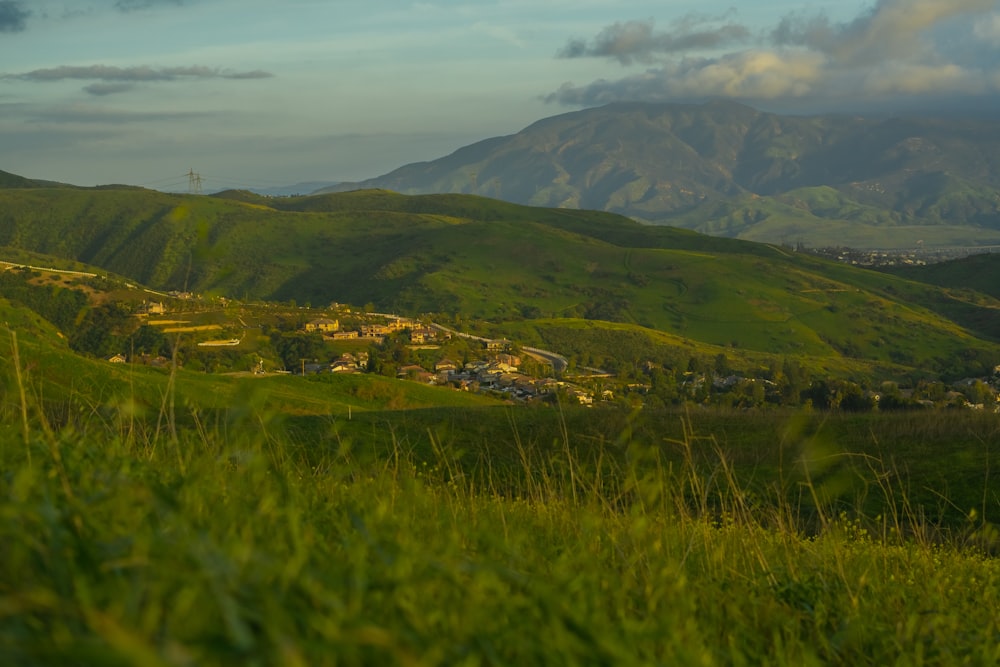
[[375, 330], [422, 335], [501, 345], [344, 335], [151, 308], [323, 325]]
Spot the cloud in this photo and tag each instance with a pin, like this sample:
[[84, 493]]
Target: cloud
[[99, 116], [745, 75], [891, 30], [637, 41], [134, 5], [896, 49], [13, 16], [113, 80], [988, 29], [102, 89]]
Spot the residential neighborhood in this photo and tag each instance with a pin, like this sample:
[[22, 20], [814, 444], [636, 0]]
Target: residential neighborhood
[[221, 336]]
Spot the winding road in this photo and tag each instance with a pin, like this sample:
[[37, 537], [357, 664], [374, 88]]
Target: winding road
[[559, 362]]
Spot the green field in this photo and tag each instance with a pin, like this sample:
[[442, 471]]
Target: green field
[[254, 533]]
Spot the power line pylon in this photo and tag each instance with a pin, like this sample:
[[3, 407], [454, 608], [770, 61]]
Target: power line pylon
[[194, 183]]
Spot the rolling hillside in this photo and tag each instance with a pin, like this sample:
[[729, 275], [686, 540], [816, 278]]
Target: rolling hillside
[[482, 259], [8, 180], [976, 272], [729, 170]]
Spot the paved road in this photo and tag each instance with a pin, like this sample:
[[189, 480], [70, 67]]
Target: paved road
[[50, 269], [558, 361]]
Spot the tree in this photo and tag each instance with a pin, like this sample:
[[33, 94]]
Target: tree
[[293, 348], [792, 382], [101, 330], [721, 364], [149, 340]]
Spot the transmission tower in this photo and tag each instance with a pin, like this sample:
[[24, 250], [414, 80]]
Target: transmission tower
[[194, 182]]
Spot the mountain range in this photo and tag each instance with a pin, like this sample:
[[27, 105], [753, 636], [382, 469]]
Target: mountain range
[[726, 169]]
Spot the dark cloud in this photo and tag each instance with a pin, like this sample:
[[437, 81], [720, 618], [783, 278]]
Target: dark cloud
[[896, 49], [134, 5], [97, 116], [121, 79], [637, 41], [13, 16], [255, 74], [102, 89]]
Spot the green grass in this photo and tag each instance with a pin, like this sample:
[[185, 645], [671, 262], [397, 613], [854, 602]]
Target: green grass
[[254, 545], [280, 521], [976, 272], [824, 216]]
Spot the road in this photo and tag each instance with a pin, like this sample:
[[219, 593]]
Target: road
[[559, 362]]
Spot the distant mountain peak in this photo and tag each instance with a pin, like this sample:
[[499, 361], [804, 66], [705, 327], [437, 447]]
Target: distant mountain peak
[[725, 168]]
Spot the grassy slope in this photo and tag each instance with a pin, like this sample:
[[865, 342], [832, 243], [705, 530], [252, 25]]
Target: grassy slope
[[980, 273], [486, 259], [54, 375], [825, 216], [9, 180]]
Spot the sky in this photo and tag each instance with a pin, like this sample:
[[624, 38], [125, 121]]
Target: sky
[[258, 93]]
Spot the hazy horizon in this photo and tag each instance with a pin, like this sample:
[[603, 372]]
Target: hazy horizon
[[252, 94]]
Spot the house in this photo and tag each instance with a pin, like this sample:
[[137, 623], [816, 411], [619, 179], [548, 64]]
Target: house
[[422, 335], [488, 376], [151, 308], [117, 359], [375, 330], [345, 363], [511, 360], [413, 372], [323, 325], [344, 335], [399, 324], [445, 365], [501, 345]]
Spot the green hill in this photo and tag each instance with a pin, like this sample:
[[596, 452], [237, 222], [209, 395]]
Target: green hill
[[483, 259], [980, 273], [8, 180]]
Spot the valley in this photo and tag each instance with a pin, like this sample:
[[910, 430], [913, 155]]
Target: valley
[[666, 316]]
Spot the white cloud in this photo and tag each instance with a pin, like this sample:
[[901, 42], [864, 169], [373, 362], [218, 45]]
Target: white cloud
[[895, 48], [988, 29]]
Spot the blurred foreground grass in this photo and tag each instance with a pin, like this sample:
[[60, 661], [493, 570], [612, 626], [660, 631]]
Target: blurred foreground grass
[[199, 546]]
